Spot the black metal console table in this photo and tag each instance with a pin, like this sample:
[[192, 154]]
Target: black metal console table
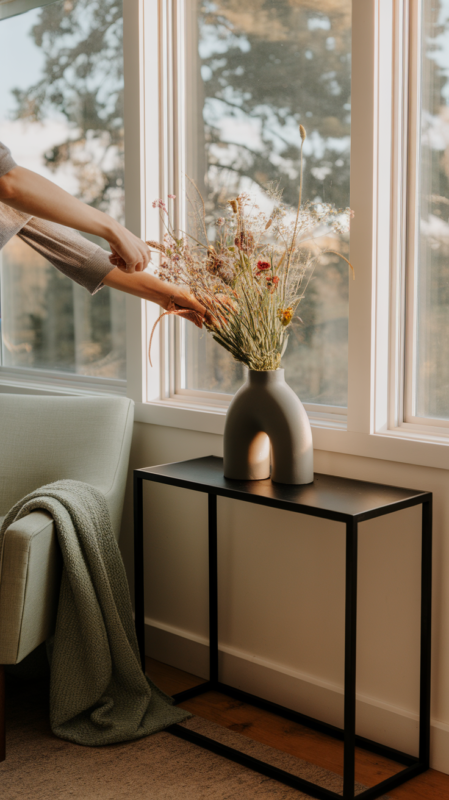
[[340, 499]]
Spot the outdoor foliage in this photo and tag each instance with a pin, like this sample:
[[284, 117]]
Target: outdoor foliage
[[82, 80]]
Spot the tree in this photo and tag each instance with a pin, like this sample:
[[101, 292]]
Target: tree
[[280, 63], [82, 81]]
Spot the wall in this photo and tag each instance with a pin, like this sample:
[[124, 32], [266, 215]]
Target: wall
[[281, 593]]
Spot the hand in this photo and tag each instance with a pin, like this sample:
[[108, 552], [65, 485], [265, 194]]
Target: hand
[[180, 298], [129, 253]]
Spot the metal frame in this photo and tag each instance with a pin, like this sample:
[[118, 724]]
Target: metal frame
[[413, 766]]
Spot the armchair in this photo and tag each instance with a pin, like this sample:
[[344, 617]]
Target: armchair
[[45, 439]]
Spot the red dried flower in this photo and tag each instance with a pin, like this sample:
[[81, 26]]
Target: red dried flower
[[261, 265]]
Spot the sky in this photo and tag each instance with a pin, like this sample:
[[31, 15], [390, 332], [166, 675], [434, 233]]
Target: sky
[[18, 65], [21, 63]]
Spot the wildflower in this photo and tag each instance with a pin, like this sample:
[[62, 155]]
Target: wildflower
[[157, 246], [172, 196], [216, 265], [244, 241], [160, 204], [285, 315], [263, 265], [250, 284]]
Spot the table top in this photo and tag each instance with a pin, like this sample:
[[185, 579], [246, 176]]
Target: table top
[[341, 499]]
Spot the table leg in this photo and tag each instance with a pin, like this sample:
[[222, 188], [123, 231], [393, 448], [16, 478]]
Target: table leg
[[426, 631], [350, 660], [213, 590], [138, 568]]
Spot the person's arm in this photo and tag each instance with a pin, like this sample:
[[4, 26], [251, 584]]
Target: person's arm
[[147, 286], [26, 191], [31, 193]]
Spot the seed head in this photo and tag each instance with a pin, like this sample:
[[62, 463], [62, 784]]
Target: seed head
[[157, 246], [302, 132]]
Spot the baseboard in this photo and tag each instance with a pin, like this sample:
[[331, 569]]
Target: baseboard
[[387, 724]]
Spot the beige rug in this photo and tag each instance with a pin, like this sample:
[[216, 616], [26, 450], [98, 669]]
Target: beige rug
[[160, 767]]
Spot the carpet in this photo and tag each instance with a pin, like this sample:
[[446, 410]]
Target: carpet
[[39, 766]]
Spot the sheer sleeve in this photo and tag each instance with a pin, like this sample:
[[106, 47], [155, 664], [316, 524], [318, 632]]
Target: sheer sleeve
[[73, 254]]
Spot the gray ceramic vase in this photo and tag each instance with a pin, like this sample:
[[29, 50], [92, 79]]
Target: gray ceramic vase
[[266, 411]]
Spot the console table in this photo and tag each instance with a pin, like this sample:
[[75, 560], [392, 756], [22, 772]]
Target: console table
[[339, 499]]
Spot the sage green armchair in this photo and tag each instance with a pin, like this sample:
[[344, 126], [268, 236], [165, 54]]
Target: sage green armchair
[[45, 439]]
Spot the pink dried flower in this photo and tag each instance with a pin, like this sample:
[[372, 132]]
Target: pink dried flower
[[172, 196], [160, 204]]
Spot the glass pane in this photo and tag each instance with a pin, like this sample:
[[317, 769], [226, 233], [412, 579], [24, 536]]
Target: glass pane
[[255, 71], [61, 114], [432, 329]]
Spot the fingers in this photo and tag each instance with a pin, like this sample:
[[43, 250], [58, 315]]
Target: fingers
[[194, 317], [130, 254]]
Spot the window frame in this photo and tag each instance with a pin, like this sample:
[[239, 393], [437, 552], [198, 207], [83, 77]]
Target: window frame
[[411, 256], [174, 22]]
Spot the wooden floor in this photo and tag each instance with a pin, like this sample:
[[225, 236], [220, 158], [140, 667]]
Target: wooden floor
[[293, 738]]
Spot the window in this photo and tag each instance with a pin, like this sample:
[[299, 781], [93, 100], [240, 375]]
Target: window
[[427, 344], [246, 89], [61, 113]]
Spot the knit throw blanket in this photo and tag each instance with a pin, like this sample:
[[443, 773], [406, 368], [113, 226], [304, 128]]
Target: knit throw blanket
[[98, 692]]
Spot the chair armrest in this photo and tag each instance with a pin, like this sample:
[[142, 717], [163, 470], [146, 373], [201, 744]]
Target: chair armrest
[[29, 585]]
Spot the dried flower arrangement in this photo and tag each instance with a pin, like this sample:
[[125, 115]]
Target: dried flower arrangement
[[253, 276]]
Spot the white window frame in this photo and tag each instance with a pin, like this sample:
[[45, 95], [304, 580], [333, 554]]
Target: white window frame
[[411, 256]]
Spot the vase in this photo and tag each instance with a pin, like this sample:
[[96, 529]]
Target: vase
[[268, 431]]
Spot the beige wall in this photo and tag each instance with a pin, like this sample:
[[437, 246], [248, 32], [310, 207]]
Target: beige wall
[[281, 591]]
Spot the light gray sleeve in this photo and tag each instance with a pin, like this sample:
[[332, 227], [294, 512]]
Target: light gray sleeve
[[6, 160], [77, 257]]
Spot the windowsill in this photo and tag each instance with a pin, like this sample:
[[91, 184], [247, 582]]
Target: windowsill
[[401, 445], [27, 381]]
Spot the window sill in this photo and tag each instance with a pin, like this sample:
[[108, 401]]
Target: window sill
[[24, 381], [399, 445]]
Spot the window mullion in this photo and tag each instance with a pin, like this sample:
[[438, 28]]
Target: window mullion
[[364, 82], [412, 219]]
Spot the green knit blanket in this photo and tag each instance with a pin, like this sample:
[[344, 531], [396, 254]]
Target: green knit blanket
[[98, 692]]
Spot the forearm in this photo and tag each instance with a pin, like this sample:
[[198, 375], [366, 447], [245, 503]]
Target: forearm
[[167, 295], [31, 193], [140, 284]]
